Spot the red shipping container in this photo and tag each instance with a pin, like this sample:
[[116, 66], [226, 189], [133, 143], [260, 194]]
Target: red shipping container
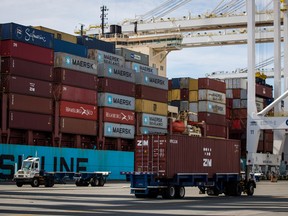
[[168, 155], [78, 126], [229, 102], [236, 93], [77, 110], [23, 68], [116, 86], [118, 116], [239, 113], [30, 121], [30, 104], [184, 94], [22, 85], [170, 84], [10, 48], [74, 94], [228, 113], [151, 93], [216, 130], [75, 78], [264, 91], [212, 118], [216, 85]]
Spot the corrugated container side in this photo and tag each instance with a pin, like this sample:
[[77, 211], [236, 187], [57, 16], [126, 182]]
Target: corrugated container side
[[193, 107], [116, 101], [68, 61], [119, 116], [71, 48], [151, 131], [229, 102], [106, 57], [175, 83], [243, 103], [58, 34], [75, 78], [116, 72], [169, 95], [228, 113], [176, 94], [140, 68], [151, 80], [184, 105], [119, 130], [210, 95], [21, 85], [243, 94], [236, 93], [175, 103], [236, 103], [78, 110], [94, 43], [78, 126], [151, 107], [151, 93], [10, 48], [148, 120], [239, 113], [184, 94], [176, 151], [133, 56], [30, 121], [229, 93], [212, 118], [18, 102], [193, 84], [193, 96], [116, 86], [19, 67], [184, 82], [74, 94], [264, 91], [216, 85], [259, 106], [26, 34], [208, 106]]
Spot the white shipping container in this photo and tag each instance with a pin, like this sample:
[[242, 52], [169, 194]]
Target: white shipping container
[[259, 106], [212, 107], [229, 93], [236, 103], [239, 83], [105, 57], [210, 95]]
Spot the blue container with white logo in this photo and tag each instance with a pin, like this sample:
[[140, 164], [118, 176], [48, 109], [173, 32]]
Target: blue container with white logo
[[71, 48], [94, 43], [119, 130], [26, 34], [116, 101]]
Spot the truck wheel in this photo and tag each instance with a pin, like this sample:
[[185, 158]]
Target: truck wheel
[[169, 193], [49, 183], [250, 189], [180, 192], [19, 184], [238, 190], [35, 182], [94, 182], [78, 182]]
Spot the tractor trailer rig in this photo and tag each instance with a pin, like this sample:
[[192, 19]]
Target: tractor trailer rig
[[30, 174], [166, 164]]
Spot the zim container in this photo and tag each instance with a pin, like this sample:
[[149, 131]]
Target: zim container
[[25, 103], [21, 85], [75, 78], [151, 93], [172, 154], [106, 57], [74, 94], [78, 126], [30, 121], [116, 101], [19, 67], [116, 86], [116, 72], [119, 116], [119, 130], [26, 34], [29, 52], [151, 107], [73, 62], [152, 80], [78, 110]]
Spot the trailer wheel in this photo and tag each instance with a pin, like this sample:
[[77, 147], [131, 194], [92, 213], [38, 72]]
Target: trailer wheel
[[238, 190], [250, 189], [35, 182], [94, 182], [19, 184], [153, 194], [101, 182], [180, 192], [169, 193], [49, 182]]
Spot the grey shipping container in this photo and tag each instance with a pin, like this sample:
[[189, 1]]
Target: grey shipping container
[[141, 68], [119, 130], [208, 106], [73, 62], [133, 56], [210, 95], [116, 101], [149, 120], [152, 80], [116, 72], [184, 105], [106, 57], [151, 130]]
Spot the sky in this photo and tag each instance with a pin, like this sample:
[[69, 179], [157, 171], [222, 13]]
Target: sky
[[66, 15]]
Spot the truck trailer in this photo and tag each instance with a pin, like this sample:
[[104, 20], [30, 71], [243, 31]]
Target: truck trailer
[[166, 164], [30, 174]]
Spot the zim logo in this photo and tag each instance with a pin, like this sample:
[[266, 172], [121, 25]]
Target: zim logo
[[207, 162]]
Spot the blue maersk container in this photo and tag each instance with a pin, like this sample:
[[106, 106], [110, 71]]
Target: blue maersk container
[[26, 34], [94, 43], [71, 48]]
